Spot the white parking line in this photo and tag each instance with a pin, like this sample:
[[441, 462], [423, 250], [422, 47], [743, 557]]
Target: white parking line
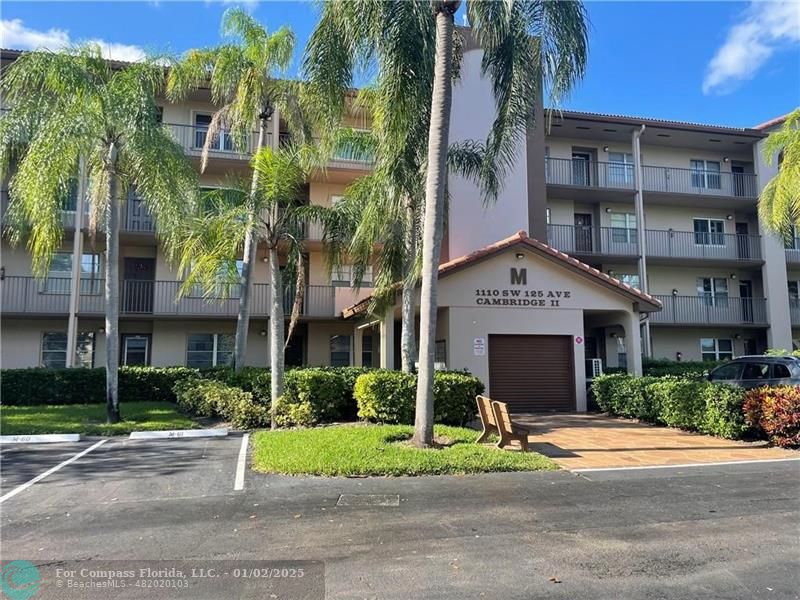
[[241, 463], [50, 471], [686, 465]]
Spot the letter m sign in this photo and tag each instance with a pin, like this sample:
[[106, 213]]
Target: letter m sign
[[519, 276]]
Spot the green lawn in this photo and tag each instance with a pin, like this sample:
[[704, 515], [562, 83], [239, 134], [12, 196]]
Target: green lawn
[[89, 419], [382, 450]]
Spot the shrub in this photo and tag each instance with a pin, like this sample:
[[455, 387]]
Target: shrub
[[313, 395], [209, 397], [389, 396], [776, 411], [26, 387], [692, 369], [696, 405], [255, 380]]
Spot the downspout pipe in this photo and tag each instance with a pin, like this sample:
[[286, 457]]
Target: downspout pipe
[[640, 229]]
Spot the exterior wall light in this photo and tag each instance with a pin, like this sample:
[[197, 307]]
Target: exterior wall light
[[608, 209], [611, 272], [729, 217], [520, 255], [726, 159], [263, 333], [679, 356], [733, 275], [674, 292], [605, 148]]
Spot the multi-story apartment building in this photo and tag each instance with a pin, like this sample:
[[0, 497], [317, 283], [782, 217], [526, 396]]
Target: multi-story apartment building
[[646, 242]]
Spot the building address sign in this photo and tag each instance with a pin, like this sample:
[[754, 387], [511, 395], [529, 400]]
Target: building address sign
[[520, 296]]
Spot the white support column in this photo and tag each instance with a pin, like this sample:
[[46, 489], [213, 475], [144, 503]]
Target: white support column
[[640, 230], [387, 340], [276, 129], [358, 347], [633, 343], [77, 254]]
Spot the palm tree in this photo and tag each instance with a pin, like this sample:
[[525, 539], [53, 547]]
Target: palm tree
[[75, 105], [272, 213], [528, 47], [242, 75], [779, 204]]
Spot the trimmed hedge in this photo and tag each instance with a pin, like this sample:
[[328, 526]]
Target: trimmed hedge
[[695, 405], [312, 396], [389, 396], [27, 387], [209, 397], [692, 369], [775, 410]]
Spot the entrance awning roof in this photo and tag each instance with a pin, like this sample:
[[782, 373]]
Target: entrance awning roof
[[647, 303]]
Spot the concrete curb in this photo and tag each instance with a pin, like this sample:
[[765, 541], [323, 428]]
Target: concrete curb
[[42, 438], [177, 434]]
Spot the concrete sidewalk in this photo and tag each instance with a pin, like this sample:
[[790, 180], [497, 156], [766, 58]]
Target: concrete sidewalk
[[583, 441]]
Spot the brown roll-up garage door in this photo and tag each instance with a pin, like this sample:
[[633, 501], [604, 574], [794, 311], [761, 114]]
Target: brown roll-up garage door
[[532, 372]]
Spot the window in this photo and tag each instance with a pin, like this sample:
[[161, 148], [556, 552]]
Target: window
[[716, 349], [726, 372], [440, 352], [58, 280], [709, 232], [714, 290], [705, 174], [631, 279], [69, 199], [340, 350], [366, 351], [343, 276], [54, 350], [756, 371], [209, 350], [547, 215], [135, 349], [623, 228], [780, 371], [620, 169], [223, 141]]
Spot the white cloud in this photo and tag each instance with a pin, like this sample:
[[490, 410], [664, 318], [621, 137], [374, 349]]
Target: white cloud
[[765, 28], [14, 35]]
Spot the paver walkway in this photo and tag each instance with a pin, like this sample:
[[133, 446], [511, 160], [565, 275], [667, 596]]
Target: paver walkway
[[581, 441]]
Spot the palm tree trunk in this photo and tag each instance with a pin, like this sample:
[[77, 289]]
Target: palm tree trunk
[[438, 137], [276, 327], [248, 260], [408, 342], [112, 292]]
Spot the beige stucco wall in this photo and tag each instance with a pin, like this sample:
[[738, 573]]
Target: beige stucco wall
[[664, 279], [667, 342], [318, 353], [170, 338]]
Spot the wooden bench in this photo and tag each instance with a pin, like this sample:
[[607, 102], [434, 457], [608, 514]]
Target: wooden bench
[[487, 418], [507, 429]]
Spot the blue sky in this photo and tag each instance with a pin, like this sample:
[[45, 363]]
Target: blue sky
[[727, 63]]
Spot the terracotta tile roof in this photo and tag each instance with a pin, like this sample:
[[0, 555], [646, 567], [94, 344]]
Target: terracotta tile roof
[[772, 122], [521, 239]]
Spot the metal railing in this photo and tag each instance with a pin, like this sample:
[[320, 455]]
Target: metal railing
[[793, 251], [699, 182], [794, 311], [588, 173], [699, 310], [28, 295], [193, 137], [621, 241], [574, 239], [616, 175], [691, 244]]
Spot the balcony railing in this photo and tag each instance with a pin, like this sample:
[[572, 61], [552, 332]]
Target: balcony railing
[[794, 311], [699, 182], [588, 173], [616, 175], [698, 310], [620, 241], [27, 295], [193, 137], [793, 251]]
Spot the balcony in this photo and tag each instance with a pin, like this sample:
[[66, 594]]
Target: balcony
[[622, 242], [697, 310], [29, 296], [794, 311], [673, 180], [590, 174], [193, 137], [793, 251]]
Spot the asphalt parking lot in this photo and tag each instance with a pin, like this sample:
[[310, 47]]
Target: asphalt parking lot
[[709, 532]]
